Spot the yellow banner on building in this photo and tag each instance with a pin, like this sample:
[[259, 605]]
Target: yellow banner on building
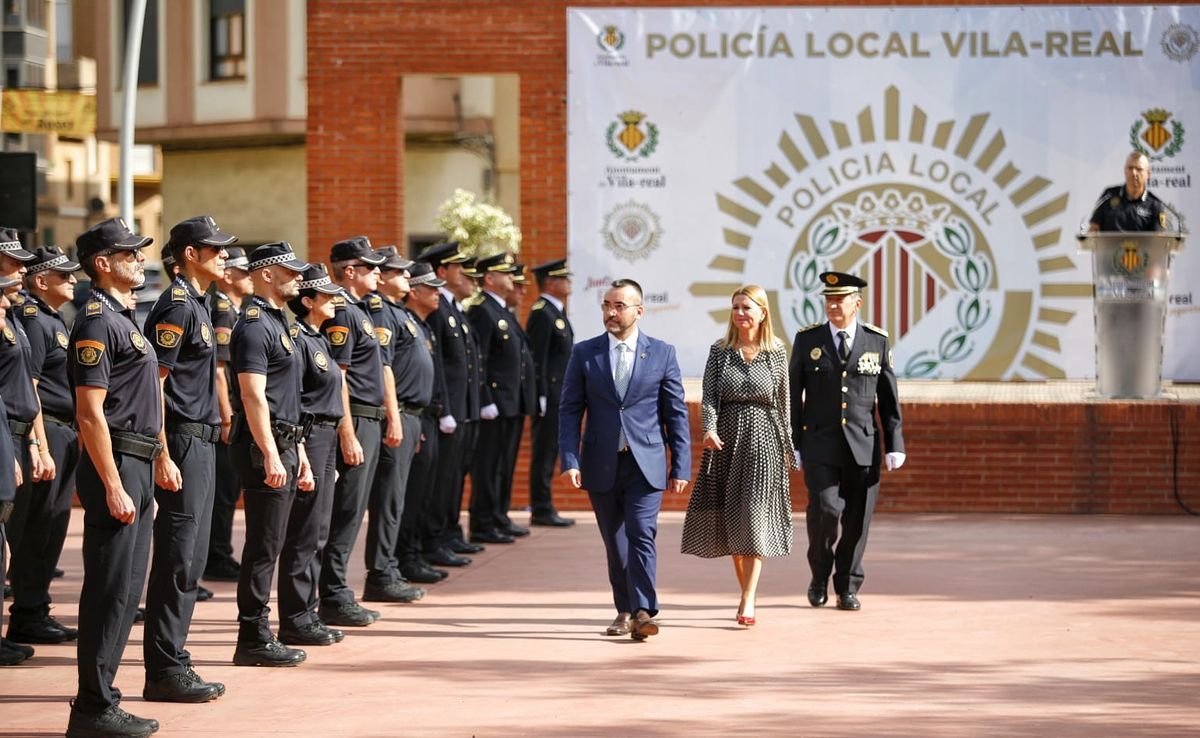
[[70, 114]]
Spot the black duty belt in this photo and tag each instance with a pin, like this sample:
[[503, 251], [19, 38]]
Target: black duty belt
[[203, 431], [135, 444], [367, 411], [409, 409], [18, 428], [326, 421], [286, 431], [68, 422]]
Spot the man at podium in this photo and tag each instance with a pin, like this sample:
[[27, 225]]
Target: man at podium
[[1130, 207]]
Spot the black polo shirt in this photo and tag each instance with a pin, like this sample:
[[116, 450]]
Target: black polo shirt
[[1116, 212], [262, 344], [355, 348], [385, 325], [107, 350], [224, 317], [48, 337], [16, 370], [183, 337], [413, 363], [322, 384]]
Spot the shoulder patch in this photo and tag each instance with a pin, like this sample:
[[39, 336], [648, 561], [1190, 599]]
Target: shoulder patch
[[88, 353], [178, 294], [167, 335], [375, 303], [253, 313], [538, 305], [294, 331], [339, 301], [93, 308], [224, 305], [383, 335], [223, 334], [31, 309], [875, 329], [17, 299], [337, 334]]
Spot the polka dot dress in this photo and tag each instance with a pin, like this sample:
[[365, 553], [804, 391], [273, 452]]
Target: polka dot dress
[[741, 503]]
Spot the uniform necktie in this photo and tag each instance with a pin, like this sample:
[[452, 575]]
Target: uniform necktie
[[844, 346], [622, 382]]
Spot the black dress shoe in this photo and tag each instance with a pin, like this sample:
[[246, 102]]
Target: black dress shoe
[[514, 530], [179, 688], [350, 614], [460, 546], [58, 573], [14, 646], [140, 615], [848, 602], [222, 571], [445, 557], [38, 629], [421, 573], [818, 593], [310, 634], [203, 593], [392, 592], [11, 656], [112, 722], [553, 520], [267, 653], [8, 592], [491, 536]]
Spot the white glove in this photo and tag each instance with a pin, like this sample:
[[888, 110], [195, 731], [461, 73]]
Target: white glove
[[489, 412], [894, 460], [447, 424], [542, 405], [796, 454]]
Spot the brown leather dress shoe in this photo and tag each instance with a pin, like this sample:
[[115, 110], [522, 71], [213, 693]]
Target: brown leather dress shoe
[[643, 626], [620, 626]]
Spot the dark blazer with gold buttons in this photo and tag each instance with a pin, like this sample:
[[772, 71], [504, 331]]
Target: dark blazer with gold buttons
[[831, 400], [551, 340], [507, 363]]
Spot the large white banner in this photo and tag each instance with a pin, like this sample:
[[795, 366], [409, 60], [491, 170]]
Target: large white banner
[[947, 155]]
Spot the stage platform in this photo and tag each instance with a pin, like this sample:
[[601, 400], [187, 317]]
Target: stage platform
[[972, 625]]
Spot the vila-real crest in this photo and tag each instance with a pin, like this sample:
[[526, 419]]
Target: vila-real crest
[[629, 139], [631, 231], [1151, 137]]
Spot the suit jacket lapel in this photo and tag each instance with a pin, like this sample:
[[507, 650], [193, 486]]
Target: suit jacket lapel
[[639, 359], [856, 349], [606, 366]]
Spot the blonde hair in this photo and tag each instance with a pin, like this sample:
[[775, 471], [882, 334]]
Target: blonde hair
[[766, 332]]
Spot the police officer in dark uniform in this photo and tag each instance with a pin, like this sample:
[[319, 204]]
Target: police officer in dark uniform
[[28, 525], [11, 653], [180, 325], [842, 375], [390, 494], [118, 409], [370, 418], [50, 283], [1130, 207], [457, 358], [551, 339], [505, 399], [267, 440], [420, 531], [308, 524], [228, 295]]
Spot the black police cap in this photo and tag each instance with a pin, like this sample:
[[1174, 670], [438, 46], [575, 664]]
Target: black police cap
[[502, 262], [840, 283], [10, 245], [316, 279], [235, 258], [50, 258], [113, 233], [422, 273], [275, 254], [556, 268], [392, 258], [198, 230], [443, 253], [355, 247]]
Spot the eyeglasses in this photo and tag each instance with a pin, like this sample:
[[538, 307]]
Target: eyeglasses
[[620, 307]]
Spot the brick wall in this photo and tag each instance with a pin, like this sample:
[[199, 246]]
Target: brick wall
[[1003, 458]]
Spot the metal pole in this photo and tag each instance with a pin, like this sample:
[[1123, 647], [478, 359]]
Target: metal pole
[[133, 55]]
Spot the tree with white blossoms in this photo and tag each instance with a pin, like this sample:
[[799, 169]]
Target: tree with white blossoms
[[481, 228]]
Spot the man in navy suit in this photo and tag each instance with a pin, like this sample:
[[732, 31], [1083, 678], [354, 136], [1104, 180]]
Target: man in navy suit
[[629, 386]]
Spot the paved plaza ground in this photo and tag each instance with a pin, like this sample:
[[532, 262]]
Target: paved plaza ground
[[971, 626]]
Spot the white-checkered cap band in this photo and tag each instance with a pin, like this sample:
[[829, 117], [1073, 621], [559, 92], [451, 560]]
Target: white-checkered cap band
[[429, 278], [46, 265], [239, 262], [10, 245], [314, 283], [272, 260]]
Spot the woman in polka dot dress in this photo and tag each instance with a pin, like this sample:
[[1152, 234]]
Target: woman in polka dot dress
[[741, 505]]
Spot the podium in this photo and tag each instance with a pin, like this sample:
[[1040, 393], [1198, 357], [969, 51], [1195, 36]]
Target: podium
[[1130, 273]]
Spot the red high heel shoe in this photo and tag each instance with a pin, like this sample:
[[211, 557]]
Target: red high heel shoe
[[746, 621]]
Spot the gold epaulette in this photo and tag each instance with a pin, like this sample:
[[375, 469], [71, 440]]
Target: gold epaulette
[[538, 305], [809, 327], [875, 329]]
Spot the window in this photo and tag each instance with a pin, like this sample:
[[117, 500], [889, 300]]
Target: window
[[148, 61], [62, 31], [227, 39]]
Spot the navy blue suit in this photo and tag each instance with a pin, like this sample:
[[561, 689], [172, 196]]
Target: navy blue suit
[[626, 488]]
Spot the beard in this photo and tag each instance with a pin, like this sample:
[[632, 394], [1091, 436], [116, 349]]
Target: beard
[[130, 273], [289, 290]]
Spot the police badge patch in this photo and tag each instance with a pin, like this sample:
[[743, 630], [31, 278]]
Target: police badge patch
[[337, 334], [320, 360], [139, 341], [560, 324], [383, 335], [815, 353], [287, 342], [61, 338], [412, 327], [9, 335], [502, 324], [167, 335], [223, 336], [206, 334], [88, 353]]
